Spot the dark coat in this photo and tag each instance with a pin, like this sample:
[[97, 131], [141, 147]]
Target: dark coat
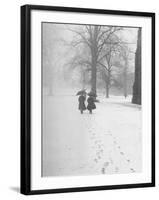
[[91, 105], [81, 100]]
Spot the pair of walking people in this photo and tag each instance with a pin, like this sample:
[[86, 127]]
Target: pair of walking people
[[90, 100]]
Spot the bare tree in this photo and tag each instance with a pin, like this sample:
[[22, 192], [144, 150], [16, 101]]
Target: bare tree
[[80, 61], [108, 58], [125, 54], [95, 37]]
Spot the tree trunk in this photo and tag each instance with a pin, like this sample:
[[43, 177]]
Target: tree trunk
[[125, 91], [93, 77], [83, 78], [107, 90], [137, 83], [125, 80], [107, 82], [94, 61]]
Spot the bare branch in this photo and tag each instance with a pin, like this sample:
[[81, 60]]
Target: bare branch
[[82, 36], [104, 66], [103, 33], [100, 47]]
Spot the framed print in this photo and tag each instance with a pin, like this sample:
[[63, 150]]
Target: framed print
[[87, 99]]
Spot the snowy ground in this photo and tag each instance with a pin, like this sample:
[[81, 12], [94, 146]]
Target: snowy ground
[[108, 141]]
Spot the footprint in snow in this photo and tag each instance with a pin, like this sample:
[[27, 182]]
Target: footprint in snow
[[106, 164], [115, 142], [111, 161], [132, 169], [103, 170], [116, 169], [101, 151], [121, 153], [98, 153]]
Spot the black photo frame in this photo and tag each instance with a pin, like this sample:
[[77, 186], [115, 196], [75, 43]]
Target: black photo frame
[[26, 106]]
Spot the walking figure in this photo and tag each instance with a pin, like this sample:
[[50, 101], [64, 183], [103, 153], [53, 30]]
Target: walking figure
[[91, 105], [81, 100]]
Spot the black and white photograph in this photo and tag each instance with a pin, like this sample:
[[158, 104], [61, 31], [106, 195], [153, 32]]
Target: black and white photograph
[[91, 99], [87, 99]]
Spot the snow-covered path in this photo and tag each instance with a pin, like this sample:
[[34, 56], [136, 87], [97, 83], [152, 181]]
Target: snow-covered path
[[106, 142]]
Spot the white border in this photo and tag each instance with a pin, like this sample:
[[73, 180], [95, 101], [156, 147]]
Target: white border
[[40, 183]]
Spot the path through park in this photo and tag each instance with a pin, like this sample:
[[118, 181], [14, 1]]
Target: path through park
[[108, 141]]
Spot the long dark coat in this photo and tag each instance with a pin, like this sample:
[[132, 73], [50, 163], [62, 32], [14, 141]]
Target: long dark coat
[[81, 100], [91, 105]]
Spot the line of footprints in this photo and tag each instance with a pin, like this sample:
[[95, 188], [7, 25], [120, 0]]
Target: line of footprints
[[100, 152]]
